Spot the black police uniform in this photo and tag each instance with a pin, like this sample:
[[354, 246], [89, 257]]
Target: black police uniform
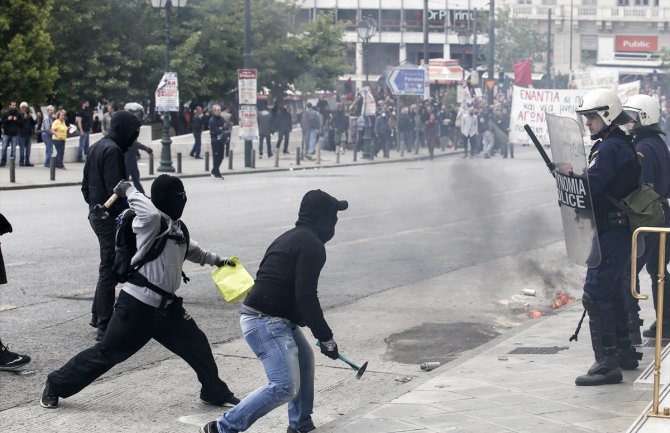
[[654, 157], [613, 171]]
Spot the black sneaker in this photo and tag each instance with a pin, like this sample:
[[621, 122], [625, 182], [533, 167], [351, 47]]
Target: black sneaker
[[303, 430], [210, 427], [100, 334], [11, 361], [48, 400], [229, 400], [94, 320]]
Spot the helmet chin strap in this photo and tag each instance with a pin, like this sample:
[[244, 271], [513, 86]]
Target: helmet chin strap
[[603, 133]]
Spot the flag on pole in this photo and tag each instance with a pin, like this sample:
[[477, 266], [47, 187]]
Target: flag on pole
[[523, 73]]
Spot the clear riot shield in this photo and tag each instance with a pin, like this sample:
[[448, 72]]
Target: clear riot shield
[[574, 196]]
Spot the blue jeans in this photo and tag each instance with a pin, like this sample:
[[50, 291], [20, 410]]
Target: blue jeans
[[83, 146], [288, 360], [24, 150], [48, 148], [195, 151], [5, 143], [312, 141]]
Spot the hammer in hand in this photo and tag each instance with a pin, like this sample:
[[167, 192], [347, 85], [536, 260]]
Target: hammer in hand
[[102, 209]]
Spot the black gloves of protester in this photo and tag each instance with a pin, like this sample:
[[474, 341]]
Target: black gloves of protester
[[329, 348], [121, 188], [225, 262]]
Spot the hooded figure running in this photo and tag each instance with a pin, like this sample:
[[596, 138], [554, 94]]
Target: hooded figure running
[[283, 299], [147, 307]]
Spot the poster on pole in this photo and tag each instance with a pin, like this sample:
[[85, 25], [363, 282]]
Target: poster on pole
[[167, 93], [369, 105], [248, 122], [246, 85]]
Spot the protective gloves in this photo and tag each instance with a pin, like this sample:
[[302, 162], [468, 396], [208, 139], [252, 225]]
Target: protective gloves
[[329, 348], [225, 262], [121, 188]]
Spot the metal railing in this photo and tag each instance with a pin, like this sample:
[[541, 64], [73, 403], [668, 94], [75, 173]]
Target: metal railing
[[662, 235]]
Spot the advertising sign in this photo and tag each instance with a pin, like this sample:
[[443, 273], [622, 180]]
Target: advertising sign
[[636, 44], [167, 93], [246, 85]]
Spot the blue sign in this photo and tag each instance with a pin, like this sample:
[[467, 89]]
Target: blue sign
[[407, 81]]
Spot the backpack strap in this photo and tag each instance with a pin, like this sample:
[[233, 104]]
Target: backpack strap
[[134, 277]]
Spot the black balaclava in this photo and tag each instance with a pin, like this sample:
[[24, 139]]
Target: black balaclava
[[168, 195], [124, 129], [319, 210]]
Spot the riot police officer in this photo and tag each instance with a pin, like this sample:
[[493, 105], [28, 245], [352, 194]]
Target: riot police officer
[[654, 158], [613, 173]]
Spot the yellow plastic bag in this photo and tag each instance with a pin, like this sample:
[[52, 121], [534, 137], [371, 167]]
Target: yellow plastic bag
[[234, 282]]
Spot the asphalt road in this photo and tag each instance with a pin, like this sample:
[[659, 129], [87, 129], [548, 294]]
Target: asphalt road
[[420, 268]]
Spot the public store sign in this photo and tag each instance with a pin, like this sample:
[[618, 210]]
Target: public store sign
[[167, 93], [246, 85], [636, 44]]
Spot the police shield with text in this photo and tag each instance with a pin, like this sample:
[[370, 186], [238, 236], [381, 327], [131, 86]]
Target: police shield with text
[[574, 197], [613, 172]]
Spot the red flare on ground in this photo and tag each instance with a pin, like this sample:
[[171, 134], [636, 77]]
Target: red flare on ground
[[535, 314], [561, 299]]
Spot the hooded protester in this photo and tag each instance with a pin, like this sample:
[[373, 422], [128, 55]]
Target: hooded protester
[[283, 299], [147, 307], [104, 168]]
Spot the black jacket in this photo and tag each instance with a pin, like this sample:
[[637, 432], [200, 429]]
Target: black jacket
[[105, 165], [288, 276], [12, 127]]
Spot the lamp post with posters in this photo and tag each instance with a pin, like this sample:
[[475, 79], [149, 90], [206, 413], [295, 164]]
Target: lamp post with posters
[[166, 155], [366, 29]]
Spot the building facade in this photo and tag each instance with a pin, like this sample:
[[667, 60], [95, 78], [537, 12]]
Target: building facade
[[623, 34]]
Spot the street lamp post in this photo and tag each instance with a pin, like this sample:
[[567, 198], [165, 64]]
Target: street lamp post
[[166, 155], [248, 145], [366, 28]]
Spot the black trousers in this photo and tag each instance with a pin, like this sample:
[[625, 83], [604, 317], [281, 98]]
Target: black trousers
[[103, 301], [217, 156], [282, 136], [268, 140], [132, 326]]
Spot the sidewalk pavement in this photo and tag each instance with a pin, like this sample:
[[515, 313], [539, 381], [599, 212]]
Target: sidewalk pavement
[[498, 389], [39, 176]]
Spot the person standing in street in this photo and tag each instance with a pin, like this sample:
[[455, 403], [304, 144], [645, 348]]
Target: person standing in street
[[264, 132], [133, 153], [47, 122], [283, 125], [217, 127], [58, 136], [655, 161], [26, 135], [196, 128], [104, 168], [84, 125], [147, 307], [469, 130], [107, 117], [613, 172], [11, 122], [283, 299], [432, 135]]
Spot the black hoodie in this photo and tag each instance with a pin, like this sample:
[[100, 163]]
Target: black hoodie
[[288, 276], [105, 165]]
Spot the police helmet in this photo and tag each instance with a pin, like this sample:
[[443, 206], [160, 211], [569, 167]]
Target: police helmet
[[606, 104], [643, 109], [135, 109]]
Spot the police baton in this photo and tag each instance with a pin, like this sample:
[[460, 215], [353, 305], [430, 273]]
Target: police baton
[[550, 165]]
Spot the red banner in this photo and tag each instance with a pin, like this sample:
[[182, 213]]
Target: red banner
[[636, 44]]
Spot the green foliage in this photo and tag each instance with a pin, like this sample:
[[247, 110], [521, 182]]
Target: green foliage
[[26, 72], [110, 49], [516, 39]]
